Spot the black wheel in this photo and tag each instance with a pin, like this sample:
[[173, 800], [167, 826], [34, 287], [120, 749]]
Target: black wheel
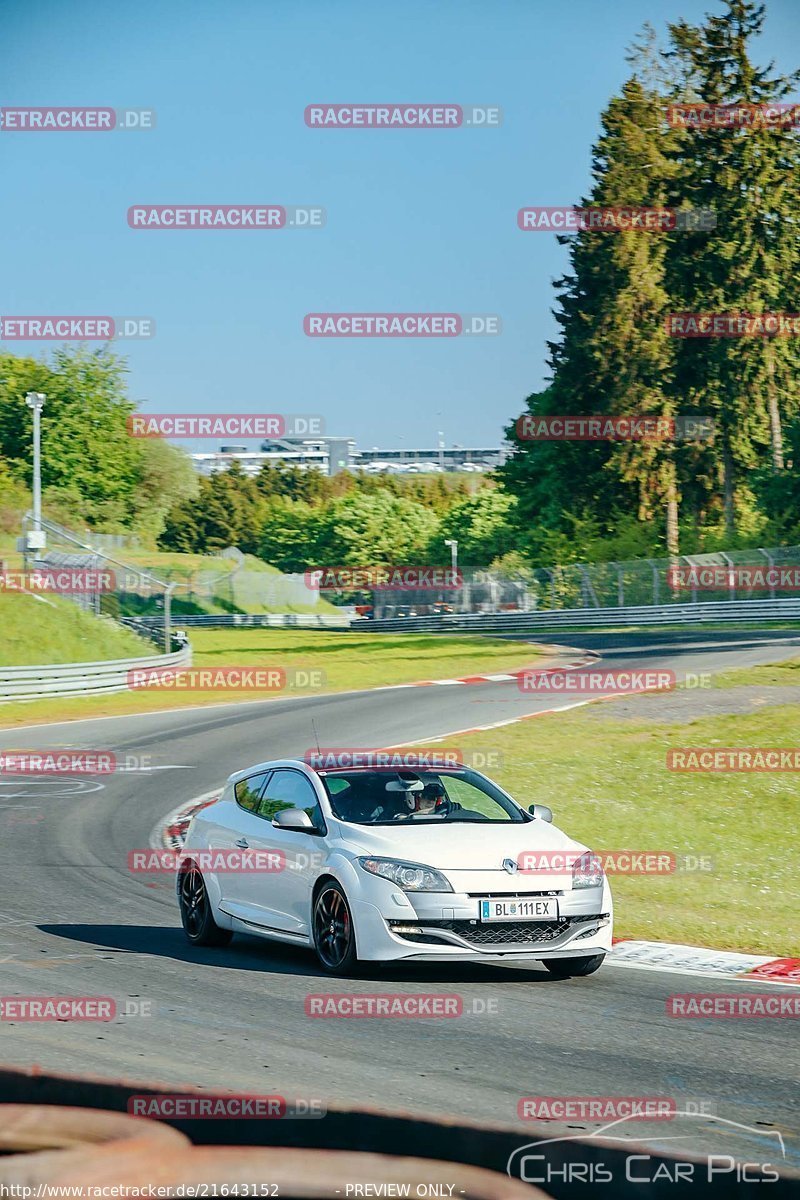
[[566, 968], [198, 921], [334, 936]]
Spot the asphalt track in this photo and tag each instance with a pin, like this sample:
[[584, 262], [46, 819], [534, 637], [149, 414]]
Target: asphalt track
[[74, 921]]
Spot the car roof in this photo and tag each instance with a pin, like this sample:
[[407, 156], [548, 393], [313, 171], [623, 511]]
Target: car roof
[[307, 768], [271, 765]]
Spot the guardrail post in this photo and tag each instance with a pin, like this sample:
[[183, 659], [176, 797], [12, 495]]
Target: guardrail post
[[168, 617], [688, 561]]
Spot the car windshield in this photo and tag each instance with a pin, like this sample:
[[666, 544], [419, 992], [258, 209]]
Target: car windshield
[[418, 797]]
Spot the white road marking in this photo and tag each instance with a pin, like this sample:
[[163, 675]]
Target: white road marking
[[165, 767]]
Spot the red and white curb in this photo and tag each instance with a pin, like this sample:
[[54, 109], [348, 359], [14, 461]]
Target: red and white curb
[[503, 677], [697, 960], [170, 833]]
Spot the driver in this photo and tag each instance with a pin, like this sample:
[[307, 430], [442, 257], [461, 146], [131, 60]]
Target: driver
[[430, 801]]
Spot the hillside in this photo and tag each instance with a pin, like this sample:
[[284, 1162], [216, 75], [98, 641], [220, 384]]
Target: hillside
[[36, 630]]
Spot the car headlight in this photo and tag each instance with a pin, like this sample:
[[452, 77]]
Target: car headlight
[[587, 871], [411, 877]]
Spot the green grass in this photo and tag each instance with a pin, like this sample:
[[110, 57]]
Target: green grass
[[37, 630], [609, 787], [348, 661], [769, 674]]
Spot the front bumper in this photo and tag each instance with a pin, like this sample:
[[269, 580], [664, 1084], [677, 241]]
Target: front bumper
[[445, 926]]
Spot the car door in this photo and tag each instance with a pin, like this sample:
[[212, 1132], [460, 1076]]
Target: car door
[[236, 823], [282, 899]]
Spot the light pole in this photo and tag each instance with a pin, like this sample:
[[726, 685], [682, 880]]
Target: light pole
[[457, 584], [168, 616], [441, 456], [36, 540]]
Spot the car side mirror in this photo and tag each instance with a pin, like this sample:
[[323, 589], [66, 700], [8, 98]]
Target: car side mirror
[[541, 811], [293, 818]]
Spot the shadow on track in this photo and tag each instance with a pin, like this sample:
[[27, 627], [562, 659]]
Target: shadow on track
[[247, 953]]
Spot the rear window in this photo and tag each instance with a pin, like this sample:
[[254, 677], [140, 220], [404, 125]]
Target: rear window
[[247, 791]]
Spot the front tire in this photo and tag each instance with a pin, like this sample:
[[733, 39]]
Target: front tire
[[334, 935], [568, 968], [196, 916]]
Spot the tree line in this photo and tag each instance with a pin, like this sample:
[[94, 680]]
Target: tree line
[[614, 354], [296, 519], [95, 474]]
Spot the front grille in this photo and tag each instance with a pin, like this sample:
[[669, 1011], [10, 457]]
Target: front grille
[[519, 933], [510, 895], [512, 933]]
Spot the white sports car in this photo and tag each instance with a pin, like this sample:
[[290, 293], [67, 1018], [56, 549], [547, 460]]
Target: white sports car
[[376, 864]]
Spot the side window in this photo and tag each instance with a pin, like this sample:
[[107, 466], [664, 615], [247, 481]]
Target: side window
[[248, 790], [290, 789]]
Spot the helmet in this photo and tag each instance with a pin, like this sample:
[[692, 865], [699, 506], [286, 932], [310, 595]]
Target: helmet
[[431, 798]]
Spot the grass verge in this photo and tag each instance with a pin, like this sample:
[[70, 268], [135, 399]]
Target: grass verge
[[609, 787], [768, 674], [36, 629], [348, 661]]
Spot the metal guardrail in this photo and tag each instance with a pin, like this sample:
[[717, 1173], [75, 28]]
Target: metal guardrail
[[254, 620], [569, 618], [82, 679]]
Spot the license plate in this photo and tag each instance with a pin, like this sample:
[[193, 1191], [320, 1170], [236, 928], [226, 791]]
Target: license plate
[[543, 908]]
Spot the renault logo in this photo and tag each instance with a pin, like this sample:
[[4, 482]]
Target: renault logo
[[510, 865]]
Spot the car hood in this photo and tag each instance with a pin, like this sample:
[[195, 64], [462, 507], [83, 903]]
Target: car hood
[[455, 846]]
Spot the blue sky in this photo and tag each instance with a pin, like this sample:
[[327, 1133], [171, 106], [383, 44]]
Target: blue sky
[[416, 221]]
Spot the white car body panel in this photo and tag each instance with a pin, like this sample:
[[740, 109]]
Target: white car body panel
[[278, 904]]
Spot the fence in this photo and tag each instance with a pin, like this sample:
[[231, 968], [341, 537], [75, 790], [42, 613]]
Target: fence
[[569, 618], [253, 621], [633, 583], [228, 581]]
